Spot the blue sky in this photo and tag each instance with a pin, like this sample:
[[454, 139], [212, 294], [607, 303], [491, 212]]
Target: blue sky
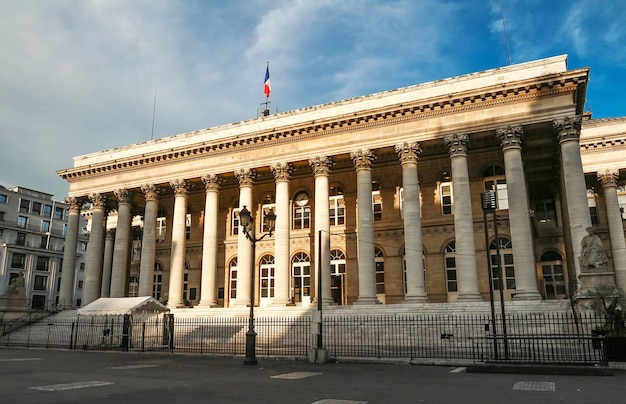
[[79, 76]]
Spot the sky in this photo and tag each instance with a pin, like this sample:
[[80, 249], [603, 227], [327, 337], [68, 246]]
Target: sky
[[81, 76]]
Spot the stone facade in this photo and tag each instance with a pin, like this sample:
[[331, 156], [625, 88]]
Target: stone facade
[[417, 159]]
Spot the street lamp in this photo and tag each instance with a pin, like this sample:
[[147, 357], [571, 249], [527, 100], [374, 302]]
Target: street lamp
[[246, 221]]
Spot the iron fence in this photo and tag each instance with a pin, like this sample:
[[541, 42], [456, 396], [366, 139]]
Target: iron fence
[[555, 337]]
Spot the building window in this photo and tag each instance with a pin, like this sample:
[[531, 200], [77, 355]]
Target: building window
[[24, 205], [40, 282], [301, 272], [4, 199], [186, 284], [43, 264], [234, 222], [506, 260], [450, 261], [232, 289], [45, 226], [553, 278], [22, 222], [337, 206], [36, 208], [157, 280], [133, 286], [1, 216], [47, 211], [160, 229], [379, 259], [18, 261], [268, 204], [301, 211], [21, 239], [188, 226], [545, 207], [591, 202], [64, 229], [267, 276], [59, 213], [81, 267], [621, 200], [80, 285], [495, 180], [337, 276], [377, 202]]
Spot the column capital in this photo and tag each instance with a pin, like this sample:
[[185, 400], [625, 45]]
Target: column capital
[[408, 152], [75, 203], [282, 171], [457, 144], [212, 182], [321, 165], [151, 191], [97, 200], [510, 137], [362, 159], [608, 178], [568, 128], [180, 187], [123, 195], [245, 176]]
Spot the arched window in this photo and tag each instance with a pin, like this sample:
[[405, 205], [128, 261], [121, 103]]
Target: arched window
[[337, 206], [267, 276], [133, 286], [301, 272], [157, 281], [495, 180], [552, 273], [379, 259], [232, 289], [452, 283], [506, 260], [337, 276]]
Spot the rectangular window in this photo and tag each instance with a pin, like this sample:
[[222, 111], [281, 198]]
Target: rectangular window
[[502, 196], [445, 192], [45, 226], [43, 263], [18, 261], [82, 267], [265, 209], [160, 230], [301, 217], [22, 222], [24, 205], [4, 198], [36, 208], [234, 223], [59, 213], [2, 216], [21, 239], [188, 226], [377, 206], [43, 243], [337, 210], [591, 202], [621, 200], [47, 211], [80, 284], [451, 278]]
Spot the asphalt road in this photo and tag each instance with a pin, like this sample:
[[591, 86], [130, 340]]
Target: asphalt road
[[49, 376]]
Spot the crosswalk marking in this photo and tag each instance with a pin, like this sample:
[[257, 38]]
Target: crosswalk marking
[[20, 359], [295, 375], [333, 401], [70, 386], [133, 367], [458, 370]]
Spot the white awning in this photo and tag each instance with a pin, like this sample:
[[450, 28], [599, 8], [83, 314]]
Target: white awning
[[118, 306]]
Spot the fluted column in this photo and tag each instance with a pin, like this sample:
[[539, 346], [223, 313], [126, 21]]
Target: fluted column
[[244, 246], [363, 160], [282, 173], [616, 230], [467, 271], [414, 251], [321, 169], [68, 272], [119, 268], [208, 295], [179, 243], [521, 235], [107, 263], [148, 239], [93, 260], [568, 133]]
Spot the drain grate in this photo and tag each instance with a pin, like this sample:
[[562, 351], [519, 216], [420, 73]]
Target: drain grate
[[534, 386]]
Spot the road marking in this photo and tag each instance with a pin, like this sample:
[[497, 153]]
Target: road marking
[[20, 359], [295, 375], [458, 370], [132, 367], [534, 386], [333, 401], [70, 386]]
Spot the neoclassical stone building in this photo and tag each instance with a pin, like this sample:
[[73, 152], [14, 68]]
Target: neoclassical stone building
[[381, 194]]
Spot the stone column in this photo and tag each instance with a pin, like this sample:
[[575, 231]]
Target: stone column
[[321, 169], [148, 240], [282, 173], [616, 229], [208, 295], [107, 263], [414, 251], [466, 268], [245, 260], [179, 243], [521, 235], [119, 268], [363, 160], [68, 272], [93, 259], [568, 133]]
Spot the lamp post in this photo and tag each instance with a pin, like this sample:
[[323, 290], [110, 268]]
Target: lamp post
[[246, 221]]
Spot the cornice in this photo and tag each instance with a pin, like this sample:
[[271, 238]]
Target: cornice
[[389, 115]]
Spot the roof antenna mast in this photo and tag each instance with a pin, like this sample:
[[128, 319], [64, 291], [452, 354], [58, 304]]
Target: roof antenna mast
[[506, 39]]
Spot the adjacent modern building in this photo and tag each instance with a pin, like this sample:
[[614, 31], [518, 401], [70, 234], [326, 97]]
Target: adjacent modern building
[[378, 199], [33, 228]]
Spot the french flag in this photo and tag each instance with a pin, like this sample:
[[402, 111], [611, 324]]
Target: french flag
[[266, 87]]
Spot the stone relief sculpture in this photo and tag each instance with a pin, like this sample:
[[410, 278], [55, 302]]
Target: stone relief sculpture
[[593, 256]]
